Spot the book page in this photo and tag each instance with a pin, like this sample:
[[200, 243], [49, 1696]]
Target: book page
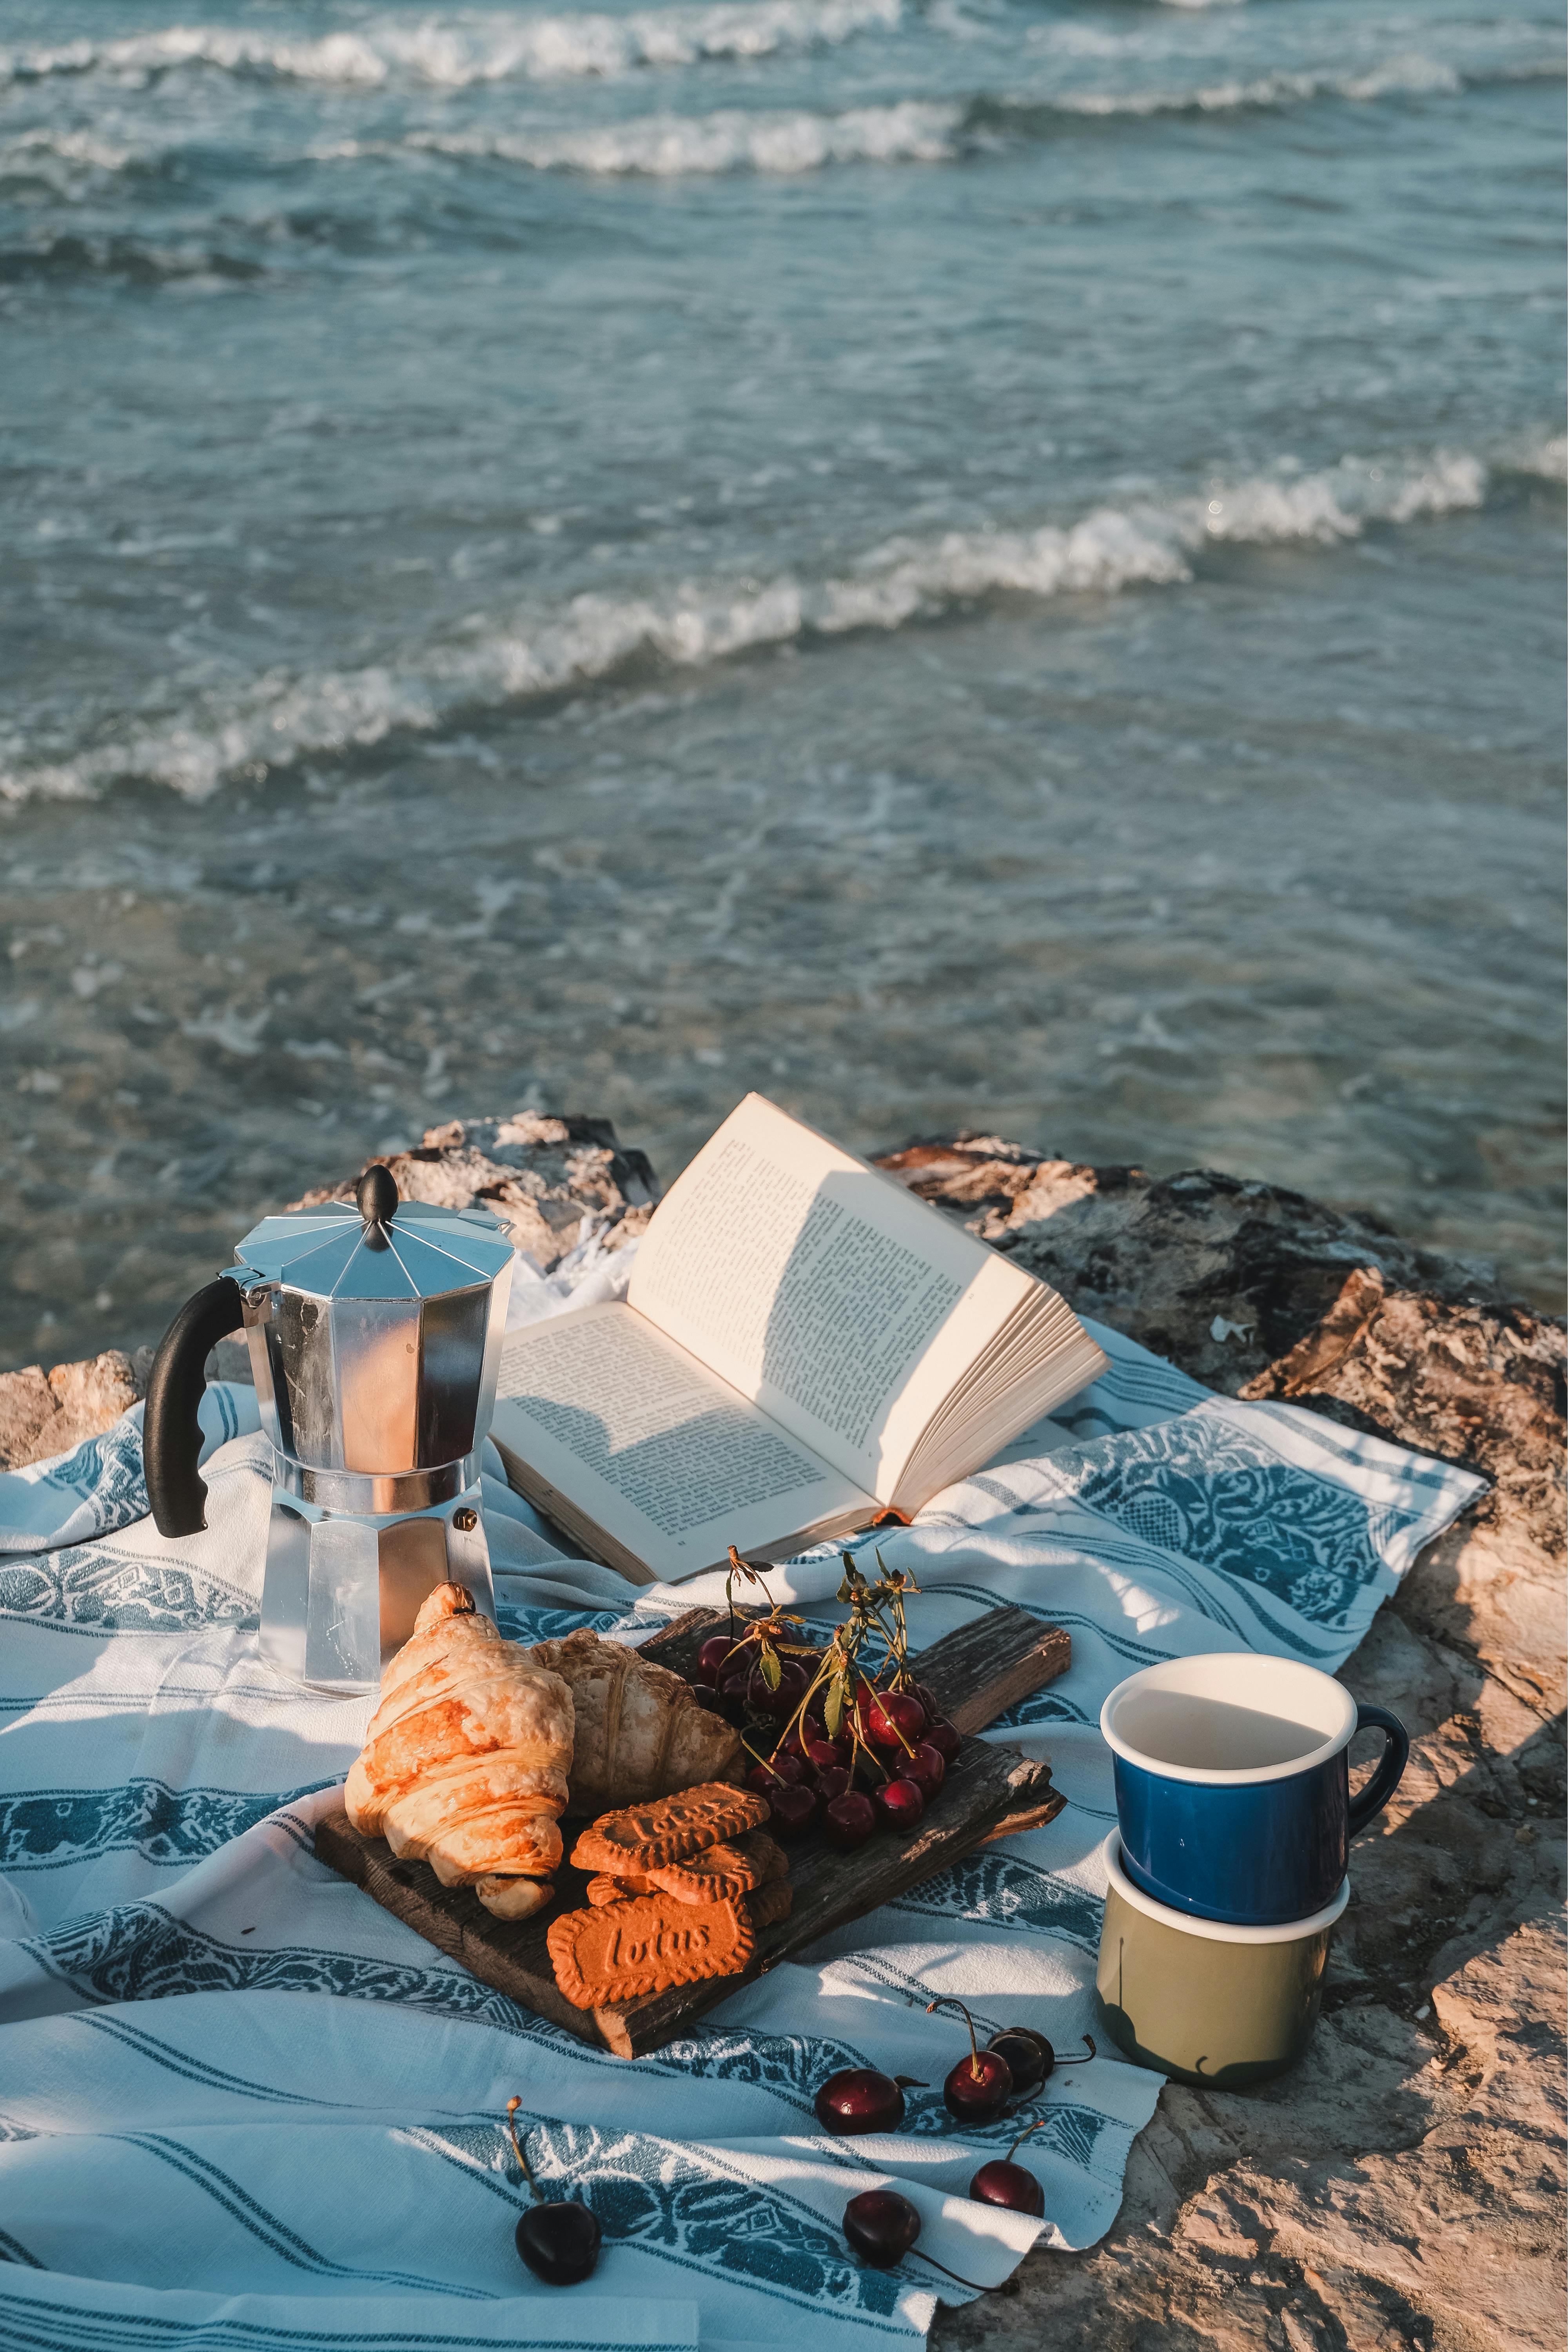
[[814, 1286], [642, 1439]]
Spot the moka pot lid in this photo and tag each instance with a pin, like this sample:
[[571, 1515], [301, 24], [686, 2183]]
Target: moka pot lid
[[376, 1247]]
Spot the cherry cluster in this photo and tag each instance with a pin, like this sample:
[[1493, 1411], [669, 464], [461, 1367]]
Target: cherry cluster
[[834, 1744], [888, 1759]]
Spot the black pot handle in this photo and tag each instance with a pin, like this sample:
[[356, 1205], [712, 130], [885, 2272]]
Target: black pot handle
[[171, 1431], [1390, 1764]]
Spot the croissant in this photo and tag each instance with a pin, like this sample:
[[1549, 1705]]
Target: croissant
[[464, 1762], [641, 1732]]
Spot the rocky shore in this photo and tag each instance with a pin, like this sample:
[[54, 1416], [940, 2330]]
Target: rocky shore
[[1404, 2187]]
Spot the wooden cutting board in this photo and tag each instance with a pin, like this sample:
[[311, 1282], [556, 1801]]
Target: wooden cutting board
[[976, 1674]]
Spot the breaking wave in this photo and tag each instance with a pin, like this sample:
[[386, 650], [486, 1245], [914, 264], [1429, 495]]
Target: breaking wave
[[666, 146], [456, 51], [1152, 544]]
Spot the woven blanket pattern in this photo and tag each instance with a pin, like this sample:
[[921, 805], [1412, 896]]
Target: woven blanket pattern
[[240, 2103]]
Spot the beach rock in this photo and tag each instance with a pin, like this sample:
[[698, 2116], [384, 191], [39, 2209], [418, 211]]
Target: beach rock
[[43, 1413], [554, 1182], [1404, 2187]]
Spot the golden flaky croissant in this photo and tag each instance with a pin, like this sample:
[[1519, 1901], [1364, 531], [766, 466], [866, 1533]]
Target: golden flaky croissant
[[464, 1762], [641, 1732]]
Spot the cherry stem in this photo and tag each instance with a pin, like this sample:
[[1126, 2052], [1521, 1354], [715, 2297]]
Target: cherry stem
[[1077, 2062], [1004, 2286], [947, 2000], [512, 2108]]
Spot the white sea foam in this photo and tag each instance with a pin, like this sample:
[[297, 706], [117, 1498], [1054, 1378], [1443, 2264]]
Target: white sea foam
[[68, 161], [664, 146], [1148, 544], [456, 51]]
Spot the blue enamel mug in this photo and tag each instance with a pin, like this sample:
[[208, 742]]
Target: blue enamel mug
[[1233, 1784]]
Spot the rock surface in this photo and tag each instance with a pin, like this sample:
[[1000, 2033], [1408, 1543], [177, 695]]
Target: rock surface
[[47, 1412], [552, 1181], [1404, 2187]]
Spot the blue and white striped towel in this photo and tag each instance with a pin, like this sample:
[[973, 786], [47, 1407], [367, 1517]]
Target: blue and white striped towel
[[240, 2103]]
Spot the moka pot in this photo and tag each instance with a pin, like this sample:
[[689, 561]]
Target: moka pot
[[375, 1329]]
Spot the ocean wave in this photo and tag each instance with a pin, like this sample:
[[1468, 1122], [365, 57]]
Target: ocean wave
[[665, 146], [453, 52], [1410, 74], [1149, 544], [64, 161]]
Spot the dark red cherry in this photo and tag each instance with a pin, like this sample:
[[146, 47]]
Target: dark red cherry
[[1003, 2182], [707, 1698], [560, 2243], [849, 1820], [783, 1773], [860, 2100], [712, 1657], [733, 1695], [895, 1720], [980, 2085], [821, 1754], [978, 2088], [929, 1700], [941, 1735], [791, 1812], [926, 1767], [779, 1704], [1000, 2183], [832, 1783], [1025, 2059], [881, 2226], [899, 1803]]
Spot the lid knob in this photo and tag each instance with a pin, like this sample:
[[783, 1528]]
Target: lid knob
[[375, 1198]]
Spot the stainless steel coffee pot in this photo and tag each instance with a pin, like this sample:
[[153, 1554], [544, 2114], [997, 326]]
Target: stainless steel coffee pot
[[374, 1332]]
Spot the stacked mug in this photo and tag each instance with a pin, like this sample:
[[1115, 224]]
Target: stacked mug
[[1227, 1869]]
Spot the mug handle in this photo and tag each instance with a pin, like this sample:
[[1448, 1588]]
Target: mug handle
[[1390, 1765]]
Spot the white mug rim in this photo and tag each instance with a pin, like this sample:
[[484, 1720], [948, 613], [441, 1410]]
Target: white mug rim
[[1217, 1931], [1169, 1671]]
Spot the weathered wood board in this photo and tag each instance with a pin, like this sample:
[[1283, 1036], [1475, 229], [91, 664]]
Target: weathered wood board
[[978, 1673]]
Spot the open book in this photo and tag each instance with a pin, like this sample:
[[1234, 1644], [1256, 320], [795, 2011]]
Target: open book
[[804, 1345]]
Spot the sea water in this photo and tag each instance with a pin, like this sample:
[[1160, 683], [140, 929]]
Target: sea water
[[989, 561]]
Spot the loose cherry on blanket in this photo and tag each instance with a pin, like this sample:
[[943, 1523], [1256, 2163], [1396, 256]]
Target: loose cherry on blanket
[[1025, 2060], [558, 2239], [848, 1820], [860, 2100], [882, 2226], [900, 1804], [1003, 2182], [1049, 2061], [980, 2085]]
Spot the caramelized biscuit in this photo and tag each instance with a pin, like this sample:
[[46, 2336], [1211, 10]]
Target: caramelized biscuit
[[623, 1950], [718, 1875], [771, 1903], [605, 1889], [767, 1858], [644, 1838]]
